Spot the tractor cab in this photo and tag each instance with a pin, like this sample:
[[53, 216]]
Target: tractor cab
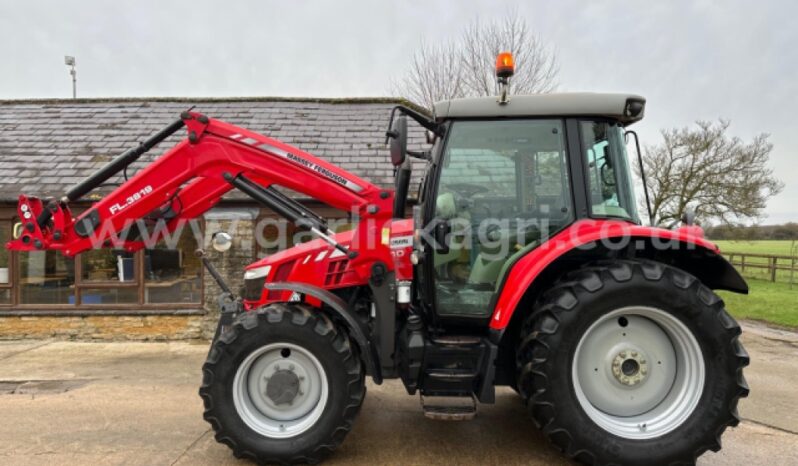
[[509, 176], [504, 177]]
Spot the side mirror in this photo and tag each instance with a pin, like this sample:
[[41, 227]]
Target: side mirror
[[398, 136], [221, 241]]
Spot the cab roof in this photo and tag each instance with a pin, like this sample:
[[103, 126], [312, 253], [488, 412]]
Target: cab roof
[[579, 104]]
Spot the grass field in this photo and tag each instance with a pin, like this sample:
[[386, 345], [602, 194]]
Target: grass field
[[759, 267], [769, 302], [777, 248]]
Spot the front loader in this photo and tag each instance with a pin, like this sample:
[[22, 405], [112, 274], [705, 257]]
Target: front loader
[[524, 264]]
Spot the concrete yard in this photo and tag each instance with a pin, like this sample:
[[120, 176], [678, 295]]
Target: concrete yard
[[137, 403]]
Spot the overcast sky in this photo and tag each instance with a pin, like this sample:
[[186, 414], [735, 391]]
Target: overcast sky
[[691, 60]]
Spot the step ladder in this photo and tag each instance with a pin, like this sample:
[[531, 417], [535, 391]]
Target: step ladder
[[449, 408]]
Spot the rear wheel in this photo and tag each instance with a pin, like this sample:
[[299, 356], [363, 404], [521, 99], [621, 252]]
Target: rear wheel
[[632, 363], [283, 385]]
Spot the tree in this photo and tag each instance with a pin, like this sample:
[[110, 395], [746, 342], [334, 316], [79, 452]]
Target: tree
[[464, 67], [719, 177]]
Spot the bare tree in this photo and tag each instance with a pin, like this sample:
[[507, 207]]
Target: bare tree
[[537, 67], [464, 67], [720, 177], [435, 74]]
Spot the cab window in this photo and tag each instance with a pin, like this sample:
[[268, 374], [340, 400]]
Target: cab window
[[503, 189], [610, 184]]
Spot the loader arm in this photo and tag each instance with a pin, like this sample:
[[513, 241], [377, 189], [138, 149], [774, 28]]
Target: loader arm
[[190, 179]]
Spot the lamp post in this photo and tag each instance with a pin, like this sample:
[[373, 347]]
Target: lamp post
[[70, 61]]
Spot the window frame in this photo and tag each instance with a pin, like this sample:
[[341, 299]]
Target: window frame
[[12, 267], [16, 307], [582, 155]]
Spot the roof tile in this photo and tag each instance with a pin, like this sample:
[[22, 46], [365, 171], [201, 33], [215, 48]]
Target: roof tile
[[52, 144]]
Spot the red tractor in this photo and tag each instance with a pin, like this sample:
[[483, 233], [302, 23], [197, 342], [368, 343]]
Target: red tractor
[[525, 264]]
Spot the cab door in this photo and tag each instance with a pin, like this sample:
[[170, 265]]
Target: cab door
[[500, 188]]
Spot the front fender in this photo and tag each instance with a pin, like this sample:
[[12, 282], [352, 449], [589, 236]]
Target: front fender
[[682, 248], [339, 306]]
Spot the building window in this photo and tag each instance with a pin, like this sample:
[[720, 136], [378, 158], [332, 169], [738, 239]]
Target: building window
[[173, 275], [273, 235], [107, 266], [5, 264], [106, 296], [46, 277], [167, 276]]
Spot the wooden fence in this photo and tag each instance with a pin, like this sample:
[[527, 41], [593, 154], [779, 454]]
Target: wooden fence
[[767, 266]]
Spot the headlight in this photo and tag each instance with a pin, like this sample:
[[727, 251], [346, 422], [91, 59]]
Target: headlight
[[257, 272]]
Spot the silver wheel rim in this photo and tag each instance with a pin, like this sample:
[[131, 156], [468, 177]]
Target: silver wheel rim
[[280, 390], [638, 372]]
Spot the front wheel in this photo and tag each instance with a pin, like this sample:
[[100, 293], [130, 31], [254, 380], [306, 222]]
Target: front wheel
[[632, 363], [283, 385]]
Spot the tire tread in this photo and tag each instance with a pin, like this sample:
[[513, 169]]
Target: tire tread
[[539, 333], [298, 315]]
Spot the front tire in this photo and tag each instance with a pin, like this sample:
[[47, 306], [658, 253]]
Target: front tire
[[283, 385], [632, 362]]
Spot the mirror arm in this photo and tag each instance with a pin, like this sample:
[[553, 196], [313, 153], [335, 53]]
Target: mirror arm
[[643, 176], [418, 117]]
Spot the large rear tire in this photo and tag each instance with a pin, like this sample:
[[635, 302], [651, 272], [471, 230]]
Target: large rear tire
[[283, 385], [632, 362]]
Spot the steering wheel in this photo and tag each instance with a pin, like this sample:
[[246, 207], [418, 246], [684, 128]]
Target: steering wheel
[[466, 190]]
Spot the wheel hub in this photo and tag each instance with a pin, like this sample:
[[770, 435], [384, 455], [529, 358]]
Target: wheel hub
[[630, 367], [283, 386]]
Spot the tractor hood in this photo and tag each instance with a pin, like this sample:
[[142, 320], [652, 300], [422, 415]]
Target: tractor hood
[[314, 263], [310, 252]]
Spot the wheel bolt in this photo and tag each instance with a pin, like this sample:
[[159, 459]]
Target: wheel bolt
[[623, 354], [290, 367]]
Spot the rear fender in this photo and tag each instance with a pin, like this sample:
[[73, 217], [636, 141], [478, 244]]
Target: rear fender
[[595, 240], [368, 351]]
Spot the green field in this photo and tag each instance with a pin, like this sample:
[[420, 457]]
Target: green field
[[774, 303], [778, 248], [759, 267]]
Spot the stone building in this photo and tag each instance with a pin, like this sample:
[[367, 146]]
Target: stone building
[[46, 146]]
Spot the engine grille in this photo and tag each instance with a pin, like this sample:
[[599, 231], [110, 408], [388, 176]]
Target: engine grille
[[335, 272]]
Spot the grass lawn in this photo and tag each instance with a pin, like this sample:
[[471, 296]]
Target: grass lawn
[[769, 302], [773, 247]]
